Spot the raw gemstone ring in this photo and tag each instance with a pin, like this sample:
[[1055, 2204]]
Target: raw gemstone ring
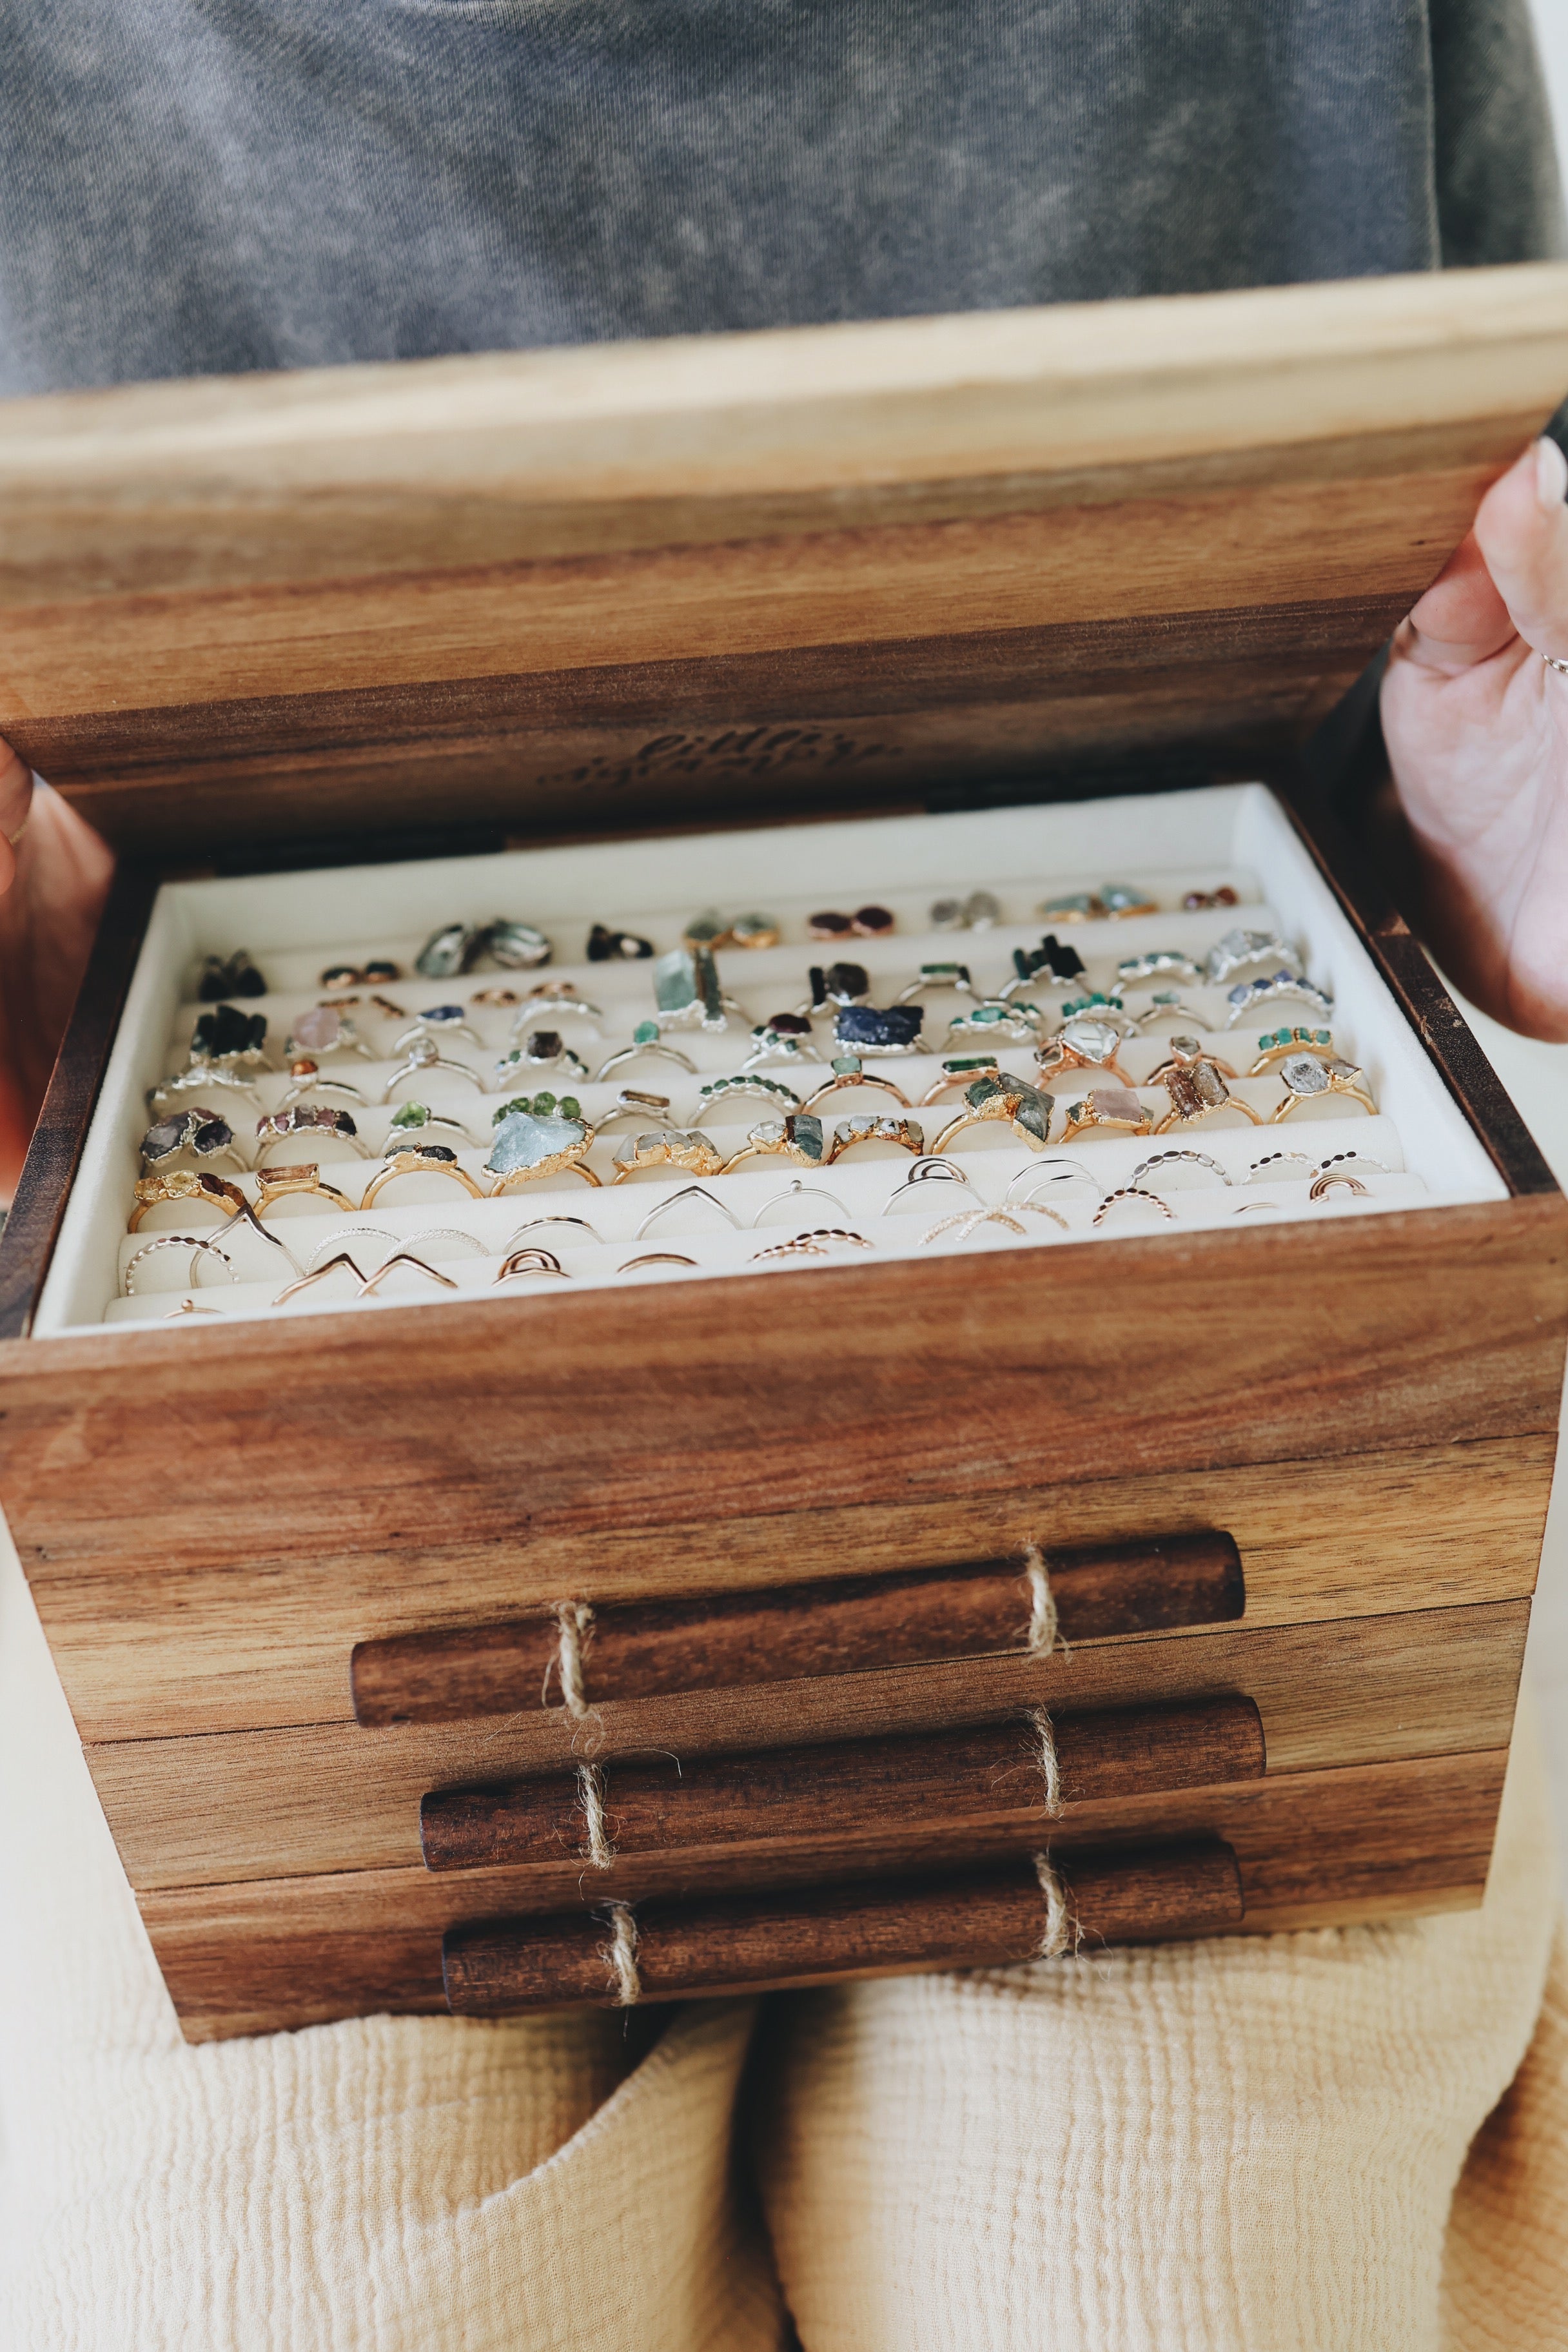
[[975, 913], [666, 1147], [1276, 1044], [646, 1043], [865, 1029], [187, 1185], [850, 1072], [198, 1134], [1058, 965], [559, 998], [748, 1087], [1166, 1005], [1083, 1043], [201, 1078], [1280, 987], [609, 945], [420, 1159], [1184, 1055], [411, 1118], [990, 1101], [989, 1023], [959, 1073], [541, 1049], [1156, 963], [425, 1055], [437, 1021], [529, 1146], [375, 973], [1117, 1110], [232, 1038], [1238, 949], [784, 1037], [865, 923], [308, 1080], [797, 1137], [1195, 1084], [686, 992], [907, 1133], [936, 978], [836, 983], [232, 975], [281, 1183], [632, 1104], [1308, 1077], [324, 1030], [306, 1118]]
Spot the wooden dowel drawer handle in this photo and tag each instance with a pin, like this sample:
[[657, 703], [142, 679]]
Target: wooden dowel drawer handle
[[666, 1951], [987, 1771], [839, 1626]]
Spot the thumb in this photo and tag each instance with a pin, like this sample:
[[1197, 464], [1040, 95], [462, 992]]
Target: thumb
[[15, 802], [1521, 531]]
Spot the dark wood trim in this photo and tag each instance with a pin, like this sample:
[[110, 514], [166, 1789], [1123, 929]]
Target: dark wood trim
[[1450, 1041], [49, 1169]]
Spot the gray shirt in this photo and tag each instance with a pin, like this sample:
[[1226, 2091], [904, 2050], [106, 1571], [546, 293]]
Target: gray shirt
[[191, 185]]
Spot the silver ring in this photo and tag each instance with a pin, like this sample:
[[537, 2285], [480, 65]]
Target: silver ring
[[1273, 1165], [798, 1189], [747, 1087], [426, 1054], [929, 1169], [770, 1045], [198, 1078], [1165, 1158], [1238, 949], [1157, 963], [1166, 1005], [1281, 988], [437, 1021], [182, 1131], [544, 1049], [1033, 1178], [532, 1225], [1361, 1159], [1141, 1198], [430, 1233], [317, 1085], [404, 1124], [1550, 659], [633, 1105], [934, 978], [324, 1030], [283, 1126], [673, 1199], [646, 1045], [197, 1246], [341, 1238]]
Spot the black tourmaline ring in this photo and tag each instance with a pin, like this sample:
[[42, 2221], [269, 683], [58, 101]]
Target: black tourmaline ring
[[199, 1135]]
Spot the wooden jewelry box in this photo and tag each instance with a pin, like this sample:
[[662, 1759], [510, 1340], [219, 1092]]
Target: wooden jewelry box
[[616, 1635]]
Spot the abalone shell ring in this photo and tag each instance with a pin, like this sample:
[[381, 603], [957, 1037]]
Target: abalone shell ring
[[185, 1185], [645, 1044], [1117, 1110], [849, 1072], [424, 1055], [315, 1120], [280, 1183], [1308, 1077], [797, 1137], [907, 1133], [666, 1147], [420, 1159]]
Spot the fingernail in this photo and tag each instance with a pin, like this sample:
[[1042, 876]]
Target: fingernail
[[1551, 473]]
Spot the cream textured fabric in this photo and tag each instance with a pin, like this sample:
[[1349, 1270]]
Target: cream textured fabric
[[392, 2184], [1242, 2146]]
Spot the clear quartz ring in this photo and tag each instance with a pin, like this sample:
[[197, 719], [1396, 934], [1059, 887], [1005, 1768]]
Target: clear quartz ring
[[1238, 948], [425, 1055]]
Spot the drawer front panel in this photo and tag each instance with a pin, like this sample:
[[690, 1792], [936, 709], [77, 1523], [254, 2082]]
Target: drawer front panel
[[331, 1798]]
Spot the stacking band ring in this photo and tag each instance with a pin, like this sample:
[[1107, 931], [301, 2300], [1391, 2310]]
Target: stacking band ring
[[1169, 1159], [198, 1245], [1132, 1196], [521, 1261]]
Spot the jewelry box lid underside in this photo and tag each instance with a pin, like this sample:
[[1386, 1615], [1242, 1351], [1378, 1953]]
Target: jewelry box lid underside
[[800, 570]]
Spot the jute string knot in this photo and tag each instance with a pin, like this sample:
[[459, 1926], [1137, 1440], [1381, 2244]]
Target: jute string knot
[[620, 1955], [1050, 1769], [576, 1620], [1060, 1936], [1044, 1633], [591, 1797]]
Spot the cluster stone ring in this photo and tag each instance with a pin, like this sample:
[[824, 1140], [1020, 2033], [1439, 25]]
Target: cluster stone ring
[[315, 1120], [1238, 949], [991, 1101], [424, 1055], [1185, 1054], [1307, 1077], [849, 1072], [280, 1183], [1279, 988], [646, 1045], [786, 1037], [748, 1085], [200, 1134], [187, 1185], [529, 1146], [907, 1133], [667, 1147], [1158, 963], [1116, 1109], [1277, 1045], [798, 1137]]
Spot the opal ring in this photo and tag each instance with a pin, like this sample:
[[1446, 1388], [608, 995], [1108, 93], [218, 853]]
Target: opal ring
[[1114, 902], [1308, 1077], [198, 1134], [317, 1121], [281, 1183], [849, 1072], [797, 1137], [907, 1133], [187, 1185], [1116, 1109], [646, 1045], [425, 1055], [990, 1101], [666, 1147]]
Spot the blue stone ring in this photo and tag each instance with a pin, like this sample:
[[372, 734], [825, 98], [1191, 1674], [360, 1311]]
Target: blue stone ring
[[531, 1146]]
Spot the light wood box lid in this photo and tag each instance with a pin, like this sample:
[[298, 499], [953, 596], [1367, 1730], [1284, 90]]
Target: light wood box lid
[[761, 571]]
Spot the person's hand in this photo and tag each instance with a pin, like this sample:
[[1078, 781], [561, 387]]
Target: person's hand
[[1477, 730], [54, 873]]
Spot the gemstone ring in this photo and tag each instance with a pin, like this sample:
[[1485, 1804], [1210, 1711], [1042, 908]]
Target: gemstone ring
[[420, 1159], [988, 1101], [315, 1120], [1157, 963], [324, 1030], [975, 913], [225, 1035], [1238, 949], [280, 1183], [437, 1021], [543, 1049], [198, 1244], [1165, 1005], [199, 1134], [425, 1055], [666, 1147], [1196, 1086], [797, 1137], [1277, 1045], [645, 1043], [934, 979], [786, 1037], [187, 1184], [414, 1117], [1308, 1077], [199, 1079], [960, 1072], [531, 1145], [747, 1087], [850, 1133], [849, 1072], [1082, 1044], [1281, 987], [1018, 1023], [1117, 1110], [559, 999], [308, 1080], [630, 1104], [1185, 1054], [837, 983], [1056, 965]]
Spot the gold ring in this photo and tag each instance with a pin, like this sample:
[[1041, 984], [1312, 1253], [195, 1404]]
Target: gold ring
[[1185, 1054], [1198, 1090], [184, 1185], [1321, 1185], [666, 1147], [850, 1072], [991, 1101], [907, 1133], [962, 1072], [1083, 1043], [797, 1137], [277, 1183], [1115, 1109], [1307, 1077], [1276, 1044], [530, 1145], [421, 1159]]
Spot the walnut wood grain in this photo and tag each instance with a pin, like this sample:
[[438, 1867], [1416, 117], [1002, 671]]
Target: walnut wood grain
[[502, 583], [1320, 1849], [844, 1627], [822, 1935], [845, 1787], [330, 1797]]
